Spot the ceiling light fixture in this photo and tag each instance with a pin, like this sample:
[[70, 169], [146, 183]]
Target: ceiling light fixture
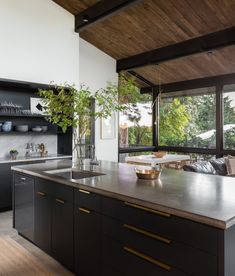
[[85, 18]]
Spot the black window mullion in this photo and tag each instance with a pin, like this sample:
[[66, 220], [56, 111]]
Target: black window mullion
[[219, 120]]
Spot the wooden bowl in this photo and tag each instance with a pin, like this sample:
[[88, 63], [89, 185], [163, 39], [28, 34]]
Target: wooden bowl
[[160, 154], [147, 174]]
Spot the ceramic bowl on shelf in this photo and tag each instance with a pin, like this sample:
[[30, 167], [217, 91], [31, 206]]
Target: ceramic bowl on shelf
[[7, 126], [22, 128], [36, 129]]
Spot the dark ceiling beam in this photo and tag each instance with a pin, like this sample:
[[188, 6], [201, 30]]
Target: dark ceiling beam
[[186, 48], [100, 11], [192, 84], [144, 80]]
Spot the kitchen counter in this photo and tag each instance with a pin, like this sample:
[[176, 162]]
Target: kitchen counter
[[207, 199], [38, 158]]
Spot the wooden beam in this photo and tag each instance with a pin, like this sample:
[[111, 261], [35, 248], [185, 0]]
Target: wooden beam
[[192, 84], [189, 47], [144, 80], [100, 11]]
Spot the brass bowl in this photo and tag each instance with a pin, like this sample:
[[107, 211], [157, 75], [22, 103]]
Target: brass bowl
[[160, 154], [147, 174]]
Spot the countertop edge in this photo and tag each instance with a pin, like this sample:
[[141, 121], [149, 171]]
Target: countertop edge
[[172, 211], [35, 159]]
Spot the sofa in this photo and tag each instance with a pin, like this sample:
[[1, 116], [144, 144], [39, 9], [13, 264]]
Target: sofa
[[216, 167]]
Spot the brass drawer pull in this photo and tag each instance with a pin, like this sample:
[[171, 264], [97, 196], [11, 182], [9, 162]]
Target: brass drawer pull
[[147, 209], [84, 191], [146, 233], [60, 201], [84, 210], [41, 194], [147, 258]]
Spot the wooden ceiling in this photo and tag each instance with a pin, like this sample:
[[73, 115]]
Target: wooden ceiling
[[153, 24], [218, 62]]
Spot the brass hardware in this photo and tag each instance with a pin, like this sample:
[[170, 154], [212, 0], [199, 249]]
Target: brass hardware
[[60, 201], [147, 209], [83, 191], [146, 233], [84, 210], [41, 194], [147, 258]]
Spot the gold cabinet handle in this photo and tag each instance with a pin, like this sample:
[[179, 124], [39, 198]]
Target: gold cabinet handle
[[147, 209], [41, 194], [146, 233], [84, 210], [60, 200], [84, 191], [147, 258]]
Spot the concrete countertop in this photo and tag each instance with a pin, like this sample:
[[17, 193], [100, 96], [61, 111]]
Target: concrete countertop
[[37, 158], [208, 199]]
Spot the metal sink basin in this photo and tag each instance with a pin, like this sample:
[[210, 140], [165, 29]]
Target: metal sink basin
[[73, 174]]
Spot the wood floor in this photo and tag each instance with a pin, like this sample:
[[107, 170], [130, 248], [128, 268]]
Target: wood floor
[[48, 263]]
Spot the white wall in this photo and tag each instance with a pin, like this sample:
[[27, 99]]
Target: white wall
[[95, 69], [38, 42]]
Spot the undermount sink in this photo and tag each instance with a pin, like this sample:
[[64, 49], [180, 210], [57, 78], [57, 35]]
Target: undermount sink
[[73, 174]]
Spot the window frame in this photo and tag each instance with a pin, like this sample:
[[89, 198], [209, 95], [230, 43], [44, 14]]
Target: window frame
[[218, 82]]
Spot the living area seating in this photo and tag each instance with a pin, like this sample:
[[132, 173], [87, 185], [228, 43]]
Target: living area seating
[[216, 167]]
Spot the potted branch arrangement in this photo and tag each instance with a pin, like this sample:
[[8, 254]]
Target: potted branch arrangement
[[65, 106]]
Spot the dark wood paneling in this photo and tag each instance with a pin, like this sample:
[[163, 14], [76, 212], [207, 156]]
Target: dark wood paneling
[[75, 6], [154, 24], [219, 62], [186, 48]]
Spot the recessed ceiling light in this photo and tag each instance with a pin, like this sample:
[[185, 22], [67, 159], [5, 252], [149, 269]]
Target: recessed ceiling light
[[85, 18]]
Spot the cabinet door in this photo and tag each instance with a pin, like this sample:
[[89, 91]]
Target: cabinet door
[[5, 187], [62, 231], [87, 242], [42, 224]]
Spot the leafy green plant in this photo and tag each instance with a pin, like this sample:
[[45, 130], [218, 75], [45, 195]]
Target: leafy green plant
[[67, 107], [13, 151]]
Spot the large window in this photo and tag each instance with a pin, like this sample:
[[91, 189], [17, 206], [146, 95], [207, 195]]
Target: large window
[[188, 118], [135, 124], [229, 116]]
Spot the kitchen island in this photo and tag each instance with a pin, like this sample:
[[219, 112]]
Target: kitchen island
[[105, 221]]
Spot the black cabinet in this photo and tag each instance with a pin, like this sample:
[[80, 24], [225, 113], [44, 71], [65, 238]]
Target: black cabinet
[[62, 225], [42, 237], [24, 205], [87, 234], [5, 187], [54, 220]]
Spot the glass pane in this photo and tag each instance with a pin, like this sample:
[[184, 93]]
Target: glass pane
[[135, 126], [229, 116], [188, 118]]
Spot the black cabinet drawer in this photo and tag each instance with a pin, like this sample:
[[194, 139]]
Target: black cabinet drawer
[[62, 193], [131, 261], [22, 178], [184, 231], [88, 200], [179, 255]]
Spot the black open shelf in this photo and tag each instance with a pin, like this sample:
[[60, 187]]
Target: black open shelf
[[29, 133], [22, 115]]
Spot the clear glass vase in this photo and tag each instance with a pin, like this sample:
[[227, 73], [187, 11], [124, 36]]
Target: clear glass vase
[[79, 155]]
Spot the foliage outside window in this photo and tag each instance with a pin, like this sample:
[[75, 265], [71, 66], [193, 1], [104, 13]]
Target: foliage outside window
[[229, 116], [188, 118], [135, 124]]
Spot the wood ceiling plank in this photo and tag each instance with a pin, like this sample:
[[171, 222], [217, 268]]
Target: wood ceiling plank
[[198, 66]]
